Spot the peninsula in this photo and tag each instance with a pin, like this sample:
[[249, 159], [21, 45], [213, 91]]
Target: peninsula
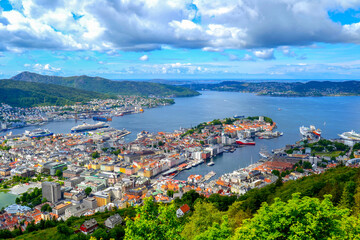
[[285, 89]]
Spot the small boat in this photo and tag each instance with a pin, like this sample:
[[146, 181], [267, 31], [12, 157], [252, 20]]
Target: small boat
[[188, 167], [210, 163], [263, 155]]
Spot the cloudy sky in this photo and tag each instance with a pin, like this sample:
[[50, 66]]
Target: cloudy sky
[[182, 39]]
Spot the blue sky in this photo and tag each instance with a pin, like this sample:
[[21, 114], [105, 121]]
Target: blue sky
[[181, 39]]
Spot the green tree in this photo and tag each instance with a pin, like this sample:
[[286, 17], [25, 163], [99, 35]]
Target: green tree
[[347, 198], [275, 172], [154, 222], [170, 193], [59, 173], [204, 216], [46, 208], [88, 191], [117, 232], [95, 155], [5, 233], [356, 208], [63, 229], [299, 218], [100, 233], [237, 215], [307, 165], [216, 231], [222, 203]]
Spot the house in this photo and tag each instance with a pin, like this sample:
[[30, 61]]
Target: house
[[89, 226], [182, 210], [113, 220]]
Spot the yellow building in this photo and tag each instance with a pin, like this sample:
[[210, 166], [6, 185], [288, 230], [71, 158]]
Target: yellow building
[[107, 167], [95, 166], [102, 199]]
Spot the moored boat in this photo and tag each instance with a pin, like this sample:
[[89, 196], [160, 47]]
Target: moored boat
[[88, 127], [102, 118], [246, 141], [308, 131], [38, 133], [352, 135]]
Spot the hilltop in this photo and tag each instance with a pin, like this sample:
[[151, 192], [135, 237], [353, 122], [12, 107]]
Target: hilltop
[[29, 94], [301, 89], [103, 85]]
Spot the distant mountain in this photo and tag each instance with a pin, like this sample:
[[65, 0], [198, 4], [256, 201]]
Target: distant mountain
[[104, 85], [312, 88], [29, 94]]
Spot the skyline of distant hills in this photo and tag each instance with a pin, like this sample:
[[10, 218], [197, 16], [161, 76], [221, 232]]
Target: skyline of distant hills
[[299, 89], [103, 85]]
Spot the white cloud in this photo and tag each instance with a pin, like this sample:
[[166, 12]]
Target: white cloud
[[108, 25], [144, 58], [266, 54], [45, 68], [287, 51], [248, 57]]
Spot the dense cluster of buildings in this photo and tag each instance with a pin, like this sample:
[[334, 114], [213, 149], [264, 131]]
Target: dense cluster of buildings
[[123, 174], [16, 117]]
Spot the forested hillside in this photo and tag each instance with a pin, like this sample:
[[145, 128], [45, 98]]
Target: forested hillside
[[324, 206], [103, 85], [29, 94]]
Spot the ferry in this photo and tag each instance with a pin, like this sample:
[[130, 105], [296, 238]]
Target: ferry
[[38, 133], [237, 116], [352, 135], [306, 131], [246, 141], [88, 127]]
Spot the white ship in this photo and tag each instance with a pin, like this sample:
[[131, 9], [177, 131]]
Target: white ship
[[88, 127], [309, 131], [352, 135]]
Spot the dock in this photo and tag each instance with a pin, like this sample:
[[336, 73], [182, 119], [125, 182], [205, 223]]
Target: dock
[[208, 176]]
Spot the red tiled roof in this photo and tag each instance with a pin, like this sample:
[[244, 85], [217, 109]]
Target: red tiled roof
[[185, 208]]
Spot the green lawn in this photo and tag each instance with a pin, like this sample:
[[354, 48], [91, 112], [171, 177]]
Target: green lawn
[[329, 154]]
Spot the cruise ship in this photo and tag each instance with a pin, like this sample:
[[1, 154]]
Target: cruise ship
[[38, 133], [247, 141], [88, 127], [352, 135], [308, 131]]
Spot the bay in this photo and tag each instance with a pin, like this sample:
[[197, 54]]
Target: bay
[[333, 115]]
